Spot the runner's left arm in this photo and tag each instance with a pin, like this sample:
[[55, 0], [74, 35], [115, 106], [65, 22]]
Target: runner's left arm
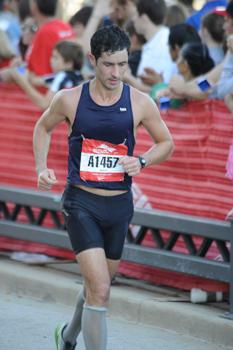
[[151, 119], [156, 127]]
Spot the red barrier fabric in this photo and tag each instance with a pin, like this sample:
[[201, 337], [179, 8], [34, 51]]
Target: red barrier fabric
[[229, 166], [192, 182]]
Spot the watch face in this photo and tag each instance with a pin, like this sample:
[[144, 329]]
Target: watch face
[[142, 161]]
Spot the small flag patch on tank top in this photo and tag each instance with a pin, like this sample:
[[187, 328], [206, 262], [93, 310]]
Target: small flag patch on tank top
[[100, 161]]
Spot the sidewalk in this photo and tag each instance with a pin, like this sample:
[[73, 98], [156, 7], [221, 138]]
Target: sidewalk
[[160, 308]]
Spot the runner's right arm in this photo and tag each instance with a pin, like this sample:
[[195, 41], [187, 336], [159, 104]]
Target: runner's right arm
[[53, 116]]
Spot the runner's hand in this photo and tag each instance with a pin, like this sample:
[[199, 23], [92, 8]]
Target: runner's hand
[[131, 165], [46, 179]]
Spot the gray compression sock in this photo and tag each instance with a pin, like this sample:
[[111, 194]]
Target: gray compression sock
[[94, 327], [73, 329]]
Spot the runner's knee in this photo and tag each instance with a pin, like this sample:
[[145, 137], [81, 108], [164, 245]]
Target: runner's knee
[[98, 293]]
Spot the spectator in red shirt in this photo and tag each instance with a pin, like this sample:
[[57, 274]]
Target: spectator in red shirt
[[51, 30]]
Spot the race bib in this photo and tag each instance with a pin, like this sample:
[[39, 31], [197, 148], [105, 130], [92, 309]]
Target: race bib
[[100, 161]]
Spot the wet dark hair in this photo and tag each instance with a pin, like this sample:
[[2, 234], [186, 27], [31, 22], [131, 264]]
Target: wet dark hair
[[154, 9], [198, 58], [71, 51], [109, 39], [81, 16], [181, 34], [47, 7], [214, 23]]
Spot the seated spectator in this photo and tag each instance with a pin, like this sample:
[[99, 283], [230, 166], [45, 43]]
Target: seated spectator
[[191, 89], [155, 52], [179, 35], [209, 6], [6, 50], [66, 63], [136, 41], [80, 19], [193, 61], [212, 34], [218, 87]]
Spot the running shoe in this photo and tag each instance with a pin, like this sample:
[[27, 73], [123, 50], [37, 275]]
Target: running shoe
[[60, 343]]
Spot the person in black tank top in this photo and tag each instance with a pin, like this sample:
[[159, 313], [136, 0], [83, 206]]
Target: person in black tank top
[[97, 204]]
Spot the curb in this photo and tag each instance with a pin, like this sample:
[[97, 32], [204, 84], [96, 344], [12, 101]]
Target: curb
[[134, 305]]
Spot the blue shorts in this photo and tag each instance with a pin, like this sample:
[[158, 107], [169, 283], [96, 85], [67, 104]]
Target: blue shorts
[[97, 221]]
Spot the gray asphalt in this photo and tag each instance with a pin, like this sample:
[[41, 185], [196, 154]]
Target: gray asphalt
[[28, 324]]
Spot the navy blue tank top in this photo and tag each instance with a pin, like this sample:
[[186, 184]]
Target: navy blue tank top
[[112, 124]]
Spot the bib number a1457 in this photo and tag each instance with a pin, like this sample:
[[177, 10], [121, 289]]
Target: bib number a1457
[[100, 161]]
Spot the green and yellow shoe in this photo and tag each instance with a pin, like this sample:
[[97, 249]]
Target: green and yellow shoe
[[60, 343]]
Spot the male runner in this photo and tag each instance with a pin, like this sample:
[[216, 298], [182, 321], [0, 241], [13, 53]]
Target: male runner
[[103, 115]]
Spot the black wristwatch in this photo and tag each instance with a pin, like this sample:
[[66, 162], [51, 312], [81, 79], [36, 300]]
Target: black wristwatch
[[142, 161]]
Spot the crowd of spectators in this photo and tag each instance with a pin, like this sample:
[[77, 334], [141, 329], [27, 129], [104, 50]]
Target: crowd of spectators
[[173, 47], [177, 53]]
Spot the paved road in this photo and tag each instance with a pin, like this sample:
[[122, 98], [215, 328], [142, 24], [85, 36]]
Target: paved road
[[28, 324]]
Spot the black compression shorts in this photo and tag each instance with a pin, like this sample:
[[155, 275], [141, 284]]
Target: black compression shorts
[[97, 221]]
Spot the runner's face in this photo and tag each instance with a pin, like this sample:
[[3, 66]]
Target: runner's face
[[110, 68]]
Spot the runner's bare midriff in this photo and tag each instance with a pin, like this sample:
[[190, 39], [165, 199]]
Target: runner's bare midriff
[[100, 191]]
